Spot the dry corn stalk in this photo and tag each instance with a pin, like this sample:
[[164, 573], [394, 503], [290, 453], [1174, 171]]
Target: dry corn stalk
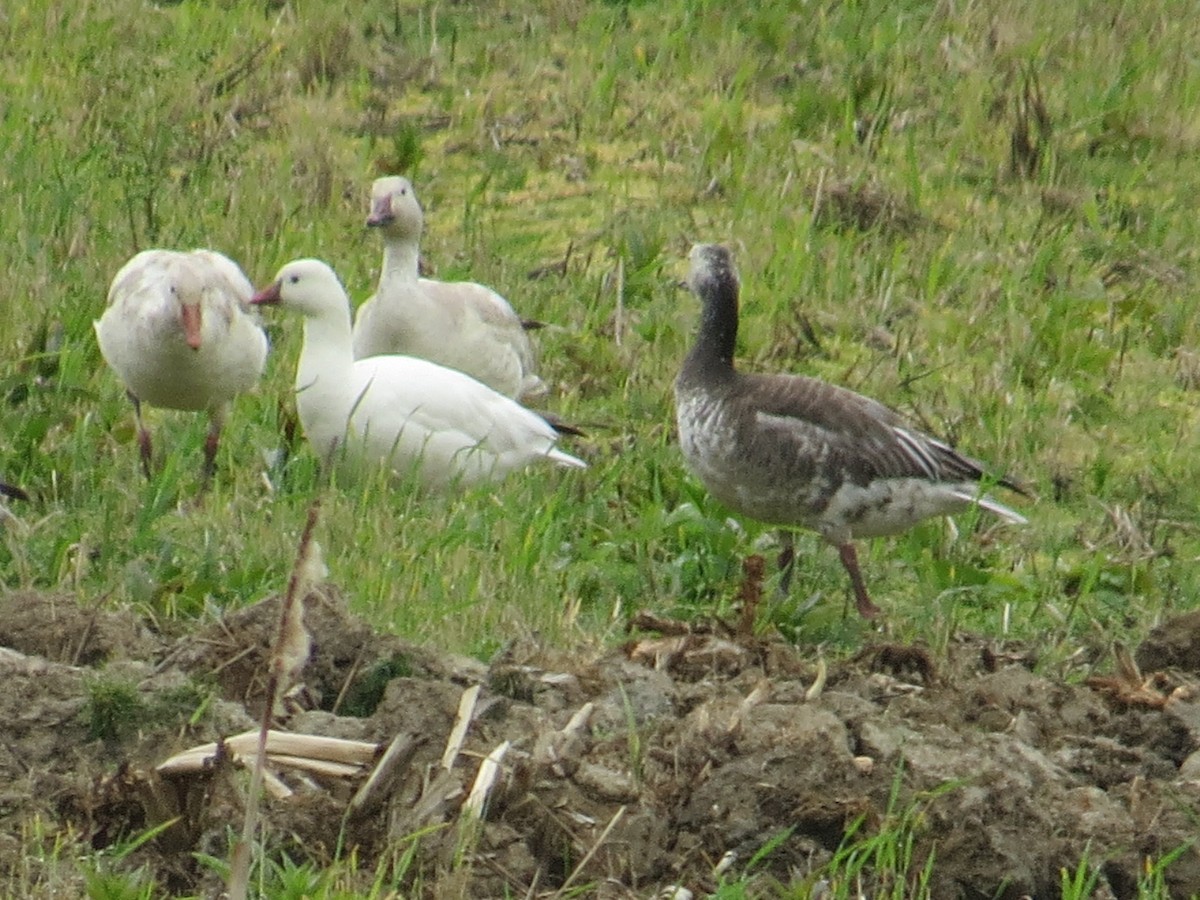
[[314, 753]]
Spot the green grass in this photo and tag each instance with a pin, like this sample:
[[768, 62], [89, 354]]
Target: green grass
[[861, 163], [1035, 305]]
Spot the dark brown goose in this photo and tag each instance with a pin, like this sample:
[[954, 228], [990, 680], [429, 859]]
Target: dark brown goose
[[793, 451]]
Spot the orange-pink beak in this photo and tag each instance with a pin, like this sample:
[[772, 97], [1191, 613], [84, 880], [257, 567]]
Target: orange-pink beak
[[268, 295], [190, 313], [381, 212]]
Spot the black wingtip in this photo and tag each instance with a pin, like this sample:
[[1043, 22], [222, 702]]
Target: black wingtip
[[560, 426], [11, 490], [1018, 487]]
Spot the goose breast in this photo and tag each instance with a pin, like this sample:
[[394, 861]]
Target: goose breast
[[178, 329]]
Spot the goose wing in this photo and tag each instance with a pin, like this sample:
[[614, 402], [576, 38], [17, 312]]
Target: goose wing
[[225, 275], [481, 302], [868, 440], [396, 392], [144, 275]]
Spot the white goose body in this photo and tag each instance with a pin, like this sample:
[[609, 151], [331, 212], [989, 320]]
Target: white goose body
[[180, 334], [399, 411], [459, 324], [789, 450]]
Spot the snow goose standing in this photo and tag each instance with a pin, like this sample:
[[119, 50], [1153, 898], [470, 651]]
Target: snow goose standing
[[459, 324], [794, 451], [400, 411], [180, 334]]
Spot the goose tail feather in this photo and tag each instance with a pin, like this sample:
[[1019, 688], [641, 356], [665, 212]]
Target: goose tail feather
[[993, 506], [566, 459]]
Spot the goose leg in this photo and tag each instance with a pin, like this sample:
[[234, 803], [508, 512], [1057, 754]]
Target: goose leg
[[144, 444], [288, 425], [787, 561], [866, 608], [211, 441]]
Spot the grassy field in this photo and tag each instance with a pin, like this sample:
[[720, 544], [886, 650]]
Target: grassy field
[[979, 217], [980, 214]]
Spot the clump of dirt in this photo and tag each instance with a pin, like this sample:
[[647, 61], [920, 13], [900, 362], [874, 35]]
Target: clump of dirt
[[1175, 644], [657, 764], [58, 628]]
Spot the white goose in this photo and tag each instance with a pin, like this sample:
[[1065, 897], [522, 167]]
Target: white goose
[[180, 334], [399, 411], [459, 324]]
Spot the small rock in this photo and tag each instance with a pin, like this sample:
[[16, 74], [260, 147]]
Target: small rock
[[1190, 769], [864, 764]]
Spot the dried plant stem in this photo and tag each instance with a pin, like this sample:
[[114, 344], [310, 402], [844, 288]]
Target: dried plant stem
[[753, 568], [587, 857], [458, 734], [239, 873]]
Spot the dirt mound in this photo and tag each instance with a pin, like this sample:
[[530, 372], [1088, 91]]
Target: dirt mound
[[663, 763]]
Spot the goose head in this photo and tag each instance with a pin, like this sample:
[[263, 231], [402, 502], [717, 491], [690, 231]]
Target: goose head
[[394, 207], [713, 279], [307, 286], [711, 270], [186, 288]]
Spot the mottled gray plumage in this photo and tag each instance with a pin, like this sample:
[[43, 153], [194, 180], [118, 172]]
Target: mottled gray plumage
[[790, 450]]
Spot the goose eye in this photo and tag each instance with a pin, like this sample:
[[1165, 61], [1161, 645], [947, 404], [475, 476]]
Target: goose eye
[[294, 279]]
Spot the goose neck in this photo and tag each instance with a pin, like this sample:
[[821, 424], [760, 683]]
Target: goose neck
[[715, 343], [328, 345], [400, 259]]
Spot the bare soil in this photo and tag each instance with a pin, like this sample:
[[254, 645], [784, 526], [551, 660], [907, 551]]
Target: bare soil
[[648, 766]]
